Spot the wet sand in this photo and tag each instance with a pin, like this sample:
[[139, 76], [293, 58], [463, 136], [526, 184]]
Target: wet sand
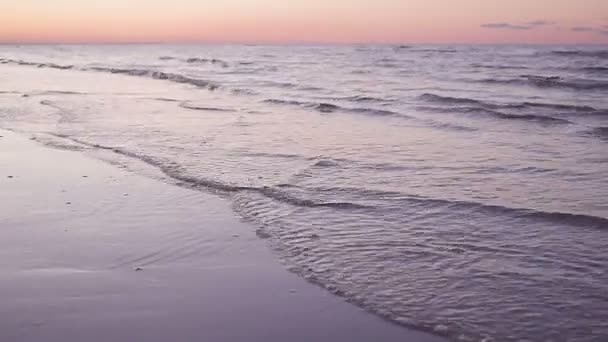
[[91, 252]]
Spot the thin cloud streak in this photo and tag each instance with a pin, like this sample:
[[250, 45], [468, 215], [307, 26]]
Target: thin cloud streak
[[505, 26], [582, 29], [540, 23], [602, 30], [530, 25]]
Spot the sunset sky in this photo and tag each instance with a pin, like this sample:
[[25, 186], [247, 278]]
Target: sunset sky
[[305, 21]]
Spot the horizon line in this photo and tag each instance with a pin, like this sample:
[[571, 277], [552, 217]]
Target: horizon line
[[293, 43]]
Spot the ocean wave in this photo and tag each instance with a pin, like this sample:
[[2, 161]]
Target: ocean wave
[[282, 194], [440, 50], [582, 53], [172, 170], [187, 105], [399, 199], [324, 107], [56, 66], [496, 114], [525, 117], [54, 92], [267, 155], [428, 97], [159, 75], [359, 98], [36, 64], [600, 132], [285, 197], [279, 84], [524, 213], [499, 67], [215, 61], [326, 163], [563, 107], [362, 98], [451, 126], [197, 60], [166, 99], [597, 69], [550, 82]]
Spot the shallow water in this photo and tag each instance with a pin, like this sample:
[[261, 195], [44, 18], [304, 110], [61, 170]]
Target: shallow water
[[456, 189]]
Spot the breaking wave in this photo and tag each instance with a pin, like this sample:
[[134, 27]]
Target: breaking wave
[[159, 75], [154, 74]]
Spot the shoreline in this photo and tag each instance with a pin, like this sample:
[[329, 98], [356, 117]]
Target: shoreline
[[92, 252]]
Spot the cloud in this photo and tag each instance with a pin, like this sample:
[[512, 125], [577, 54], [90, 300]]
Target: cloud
[[603, 30], [582, 29], [540, 23], [530, 25], [506, 26]]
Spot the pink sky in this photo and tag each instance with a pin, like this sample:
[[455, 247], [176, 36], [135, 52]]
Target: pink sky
[[321, 21]]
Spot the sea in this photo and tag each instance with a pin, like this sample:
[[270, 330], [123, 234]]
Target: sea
[[456, 189]]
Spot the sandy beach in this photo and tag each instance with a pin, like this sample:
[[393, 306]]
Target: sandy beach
[[90, 252]]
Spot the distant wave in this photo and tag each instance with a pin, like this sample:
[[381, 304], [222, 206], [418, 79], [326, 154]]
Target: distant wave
[[280, 84], [588, 70], [550, 82], [557, 106], [522, 213], [324, 107], [428, 97], [450, 126], [36, 64], [449, 100], [397, 198], [439, 50], [197, 60], [507, 116], [203, 108], [597, 69], [56, 92], [159, 75], [499, 67], [387, 63], [600, 132], [359, 98], [166, 99], [582, 53], [481, 111], [219, 62]]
